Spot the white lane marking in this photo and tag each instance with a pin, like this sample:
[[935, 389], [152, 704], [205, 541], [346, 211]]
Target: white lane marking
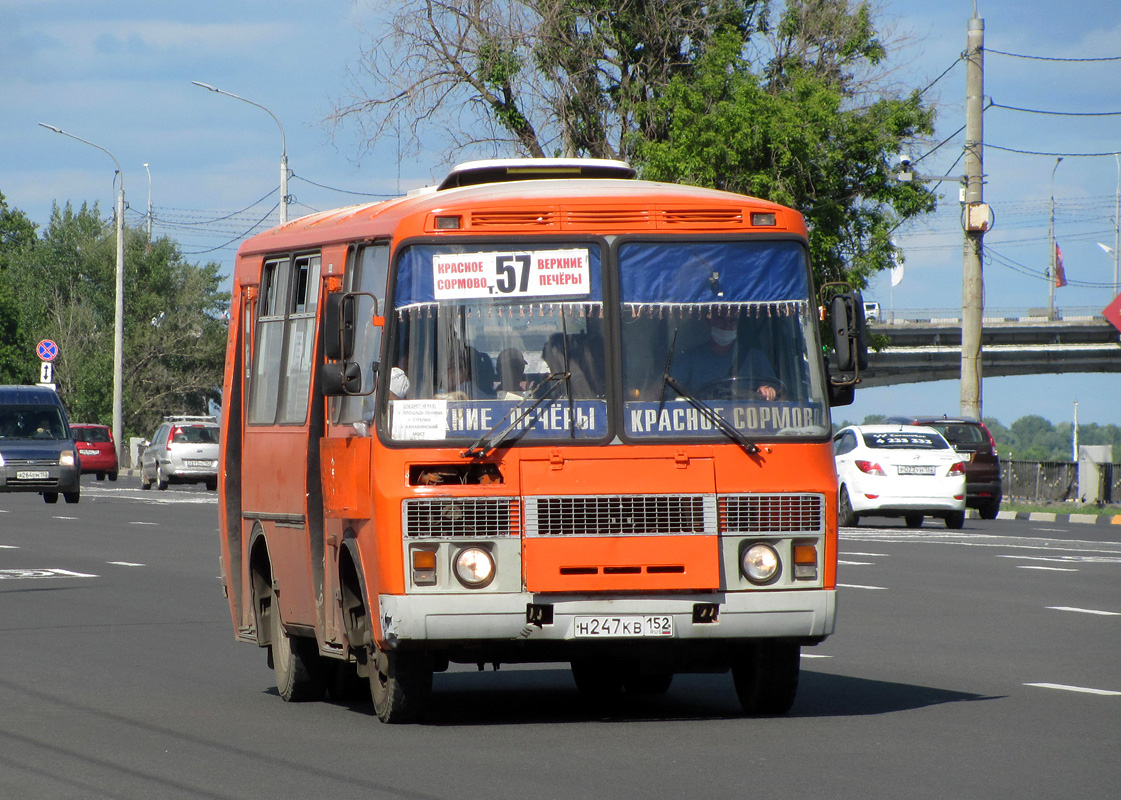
[[1086, 611], [856, 563], [870, 555], [17, 574], [858, 586], [814, 655], [124, 564], [1082, 689], [144, 523], [1046, 569], [1060, 559], [69, 518], [8, 547]]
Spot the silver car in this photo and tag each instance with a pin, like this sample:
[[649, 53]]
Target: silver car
[[182, 450]]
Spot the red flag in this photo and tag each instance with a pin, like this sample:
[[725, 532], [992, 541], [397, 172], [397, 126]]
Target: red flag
[[1060, 273]]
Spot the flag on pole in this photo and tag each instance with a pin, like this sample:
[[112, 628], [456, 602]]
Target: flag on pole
[[1060, 273]]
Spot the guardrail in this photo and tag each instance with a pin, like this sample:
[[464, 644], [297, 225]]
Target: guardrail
[[1055, 481], [888, 316]]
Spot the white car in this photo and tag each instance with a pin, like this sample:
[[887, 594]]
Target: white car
[[907, 471]]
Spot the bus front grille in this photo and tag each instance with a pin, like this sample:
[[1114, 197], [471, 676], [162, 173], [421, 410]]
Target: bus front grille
[[772, 513], [620, 515], [461, 517]]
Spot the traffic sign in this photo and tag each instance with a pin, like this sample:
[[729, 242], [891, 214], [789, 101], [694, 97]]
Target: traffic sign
[[1112, 312], [47, 350]]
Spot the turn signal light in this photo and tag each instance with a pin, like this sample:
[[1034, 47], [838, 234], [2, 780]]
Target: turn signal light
[[424, 567], [805, 562]]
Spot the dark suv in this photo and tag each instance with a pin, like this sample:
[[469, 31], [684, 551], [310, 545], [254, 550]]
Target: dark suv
[[982, 469]]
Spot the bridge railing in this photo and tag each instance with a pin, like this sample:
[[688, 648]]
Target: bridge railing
[[992, 314], [1055, 481]]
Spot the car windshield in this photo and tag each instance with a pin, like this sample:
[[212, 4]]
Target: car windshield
[[905, 441], [725, 326], [477, 328], [31, 422]]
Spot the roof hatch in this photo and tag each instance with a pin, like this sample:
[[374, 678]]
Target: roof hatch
[[501, 170]]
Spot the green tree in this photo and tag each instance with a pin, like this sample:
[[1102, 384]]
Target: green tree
[[17, 235], [174, 337], [715, 93]]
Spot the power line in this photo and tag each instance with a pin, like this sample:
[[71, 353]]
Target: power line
[[1050, 155], [1058, 113], [343, 191], [1051, 58]]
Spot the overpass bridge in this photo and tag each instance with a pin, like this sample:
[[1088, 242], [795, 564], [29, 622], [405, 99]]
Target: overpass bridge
[[917, 346]]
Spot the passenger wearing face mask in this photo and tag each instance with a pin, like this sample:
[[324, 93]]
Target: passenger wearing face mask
[[724, 367]]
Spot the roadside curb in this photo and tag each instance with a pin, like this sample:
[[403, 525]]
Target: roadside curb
[[1046, 516]]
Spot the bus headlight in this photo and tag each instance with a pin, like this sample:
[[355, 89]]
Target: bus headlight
[[474, 567], [760, 563]]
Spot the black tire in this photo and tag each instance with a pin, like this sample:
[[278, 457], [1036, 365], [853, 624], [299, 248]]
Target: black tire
[[766, 677], [913, 520], [161, 480], [101, 476], [73, 497], [989, 510], [955, 520], [295, 662], [144, 482], [400, 685], [212, 484], [112, 476], [50, 497], [846, 518], [597, 678]]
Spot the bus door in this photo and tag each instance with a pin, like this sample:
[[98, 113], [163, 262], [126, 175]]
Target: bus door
[[346, 451]]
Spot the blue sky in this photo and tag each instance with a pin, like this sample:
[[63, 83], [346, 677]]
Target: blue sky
[[119, 74]]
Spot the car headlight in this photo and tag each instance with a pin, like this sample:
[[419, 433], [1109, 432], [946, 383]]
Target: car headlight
[[66, 458], [760, 563], [474, 567]]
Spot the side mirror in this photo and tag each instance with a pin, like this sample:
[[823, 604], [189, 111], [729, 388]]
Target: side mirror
[[847, 316], [338, 325], [341, 378]]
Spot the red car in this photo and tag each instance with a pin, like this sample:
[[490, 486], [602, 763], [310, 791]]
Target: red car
[[96, 450]]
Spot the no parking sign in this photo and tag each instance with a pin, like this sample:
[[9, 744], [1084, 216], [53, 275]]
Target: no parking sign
[[47, 351]]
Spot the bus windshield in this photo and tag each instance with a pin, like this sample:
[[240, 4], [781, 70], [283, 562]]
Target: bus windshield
[[482, 332], [717, 335]]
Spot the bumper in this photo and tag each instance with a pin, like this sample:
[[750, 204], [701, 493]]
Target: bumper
[[982, 493], [886, 504], [465, 619], [179, 473], [47, 479]]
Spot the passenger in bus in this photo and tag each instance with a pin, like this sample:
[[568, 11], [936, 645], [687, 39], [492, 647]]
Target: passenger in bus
[[399, 379], [482, 373], [719, 366], [511, 374], [585, 377]]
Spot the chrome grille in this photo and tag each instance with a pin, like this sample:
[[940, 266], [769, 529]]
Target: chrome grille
[[457, 517], [772, 513], [31, 462], [620, 515]]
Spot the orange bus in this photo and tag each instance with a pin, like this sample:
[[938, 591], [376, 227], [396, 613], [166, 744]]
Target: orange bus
[[541, 412]]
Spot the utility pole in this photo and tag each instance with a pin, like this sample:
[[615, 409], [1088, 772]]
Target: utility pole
[[972, 282]]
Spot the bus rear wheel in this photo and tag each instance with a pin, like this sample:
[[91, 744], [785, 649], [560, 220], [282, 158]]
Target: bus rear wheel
[[766, 677], [400, 685], [294, 660]]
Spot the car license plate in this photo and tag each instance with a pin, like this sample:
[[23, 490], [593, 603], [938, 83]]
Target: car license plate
[[906, 469], [199, 464], [32, 475], [623, 627], [88, 452]]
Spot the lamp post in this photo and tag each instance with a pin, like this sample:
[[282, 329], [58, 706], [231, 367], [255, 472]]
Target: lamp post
[[1051, 240], [119, 294], [148, 248], [283, 146]]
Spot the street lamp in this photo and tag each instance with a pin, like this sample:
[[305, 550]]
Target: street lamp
[[149, 247], [1051, 239], [119, 304], [283, 147]]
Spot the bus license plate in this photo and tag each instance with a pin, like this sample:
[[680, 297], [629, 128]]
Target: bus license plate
[[623, 627], [904, 469], [32, 475]]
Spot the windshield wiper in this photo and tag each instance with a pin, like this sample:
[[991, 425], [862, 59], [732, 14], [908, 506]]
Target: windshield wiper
[[709, 412], [489, 440]]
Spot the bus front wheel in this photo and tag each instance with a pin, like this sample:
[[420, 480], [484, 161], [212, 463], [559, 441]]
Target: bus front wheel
[[400, 685], [766, 677], [294, 660]]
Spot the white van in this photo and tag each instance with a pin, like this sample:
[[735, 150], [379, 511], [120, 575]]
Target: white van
[[871, 311]]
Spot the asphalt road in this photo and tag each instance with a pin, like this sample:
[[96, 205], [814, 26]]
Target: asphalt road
[[979, 663]]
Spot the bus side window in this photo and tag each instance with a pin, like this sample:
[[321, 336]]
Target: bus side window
[[265, 388]]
